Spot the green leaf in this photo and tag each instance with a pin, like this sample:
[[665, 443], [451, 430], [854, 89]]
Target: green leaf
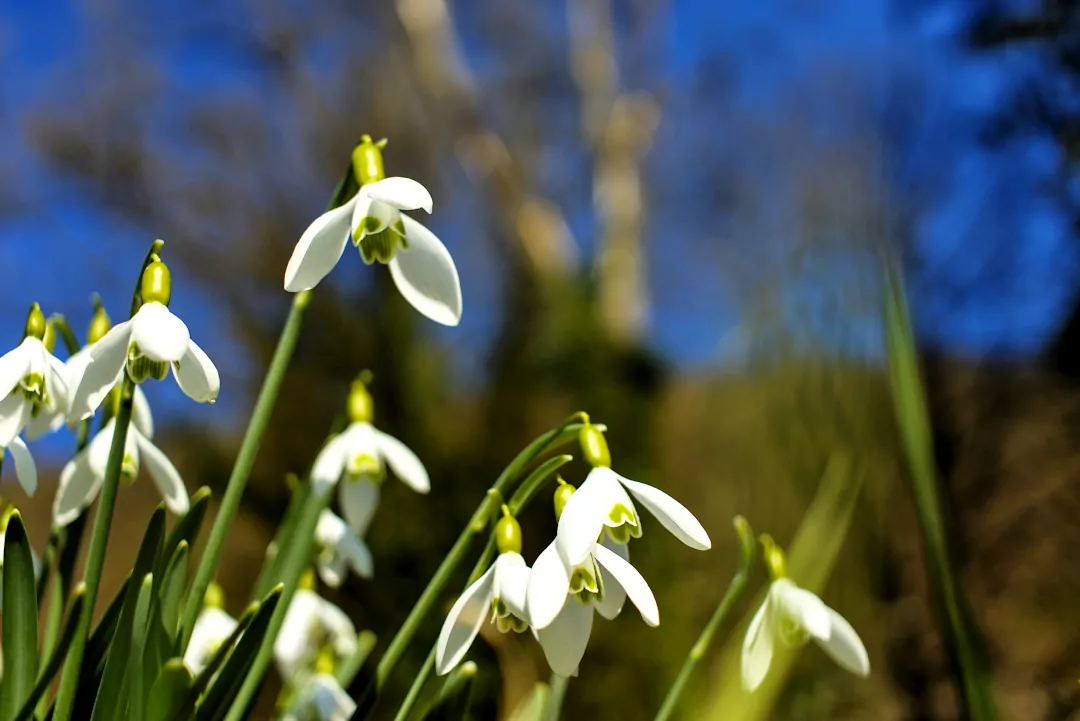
[[346, 671], [137, 683], [218, 699], [186, 529], [93, 663], [110, 703], [172, 590], [56, 659], [455, 696], [170, 694], [19, 638]]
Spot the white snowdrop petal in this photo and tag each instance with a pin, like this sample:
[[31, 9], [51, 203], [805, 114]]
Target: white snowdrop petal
[[212, 627], [332, 569], [426, 276], [102, 372], [56, 383], [401, 193], [549, 584], [160, 335], [319, 248], [293, 643], [197, 375], [583, 517], [141, 416], [809, 611], [512, 583], [329, 464], [14, 415], [672, 515], [359, 499], [14, 365], [403, 462], [358, 555], [845, 647], [463, 623], [565, 640], [633, 582], [163, 473], [79, 486], [757, 649], [75, 365], [25, 468], [338, 626], [611, 605]]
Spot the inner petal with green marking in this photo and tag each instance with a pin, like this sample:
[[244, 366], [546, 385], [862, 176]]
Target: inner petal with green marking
[[365, 466], [140, 367]]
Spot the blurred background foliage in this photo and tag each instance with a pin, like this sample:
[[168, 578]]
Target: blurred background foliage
[[669, 213]]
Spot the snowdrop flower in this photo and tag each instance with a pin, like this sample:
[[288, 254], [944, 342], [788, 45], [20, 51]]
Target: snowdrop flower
[[358, 458], [420, 265], [32, 382], [148, 345], [339, 549], [502, 588], [312, 626], [602, 503], [83, 475], [25, 468], [212, 628], [319, 698], [794, 616], [561, 599]]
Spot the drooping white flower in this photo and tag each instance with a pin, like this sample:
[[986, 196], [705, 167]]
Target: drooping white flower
[[32, 383], [794, 615], [561, 599], [602, 502], [319, 698], [148, 345], [83, 475], [312, 626], [358, 458], [420, 265], [75, 367], [212, 628], [499, 595], [25, 468], [338, 549]]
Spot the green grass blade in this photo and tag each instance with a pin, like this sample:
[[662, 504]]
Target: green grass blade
[[56, 658], [20, 616]]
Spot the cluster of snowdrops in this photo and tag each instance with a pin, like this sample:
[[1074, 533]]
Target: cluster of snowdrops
[[194, 660]]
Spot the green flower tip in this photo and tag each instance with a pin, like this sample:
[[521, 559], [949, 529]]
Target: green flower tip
[[6, 515], [508, 533], [361, 404], [775, 560], [156, 283], [562, 496], [594, 446], [215, 596], [35, 323], [367, 161]]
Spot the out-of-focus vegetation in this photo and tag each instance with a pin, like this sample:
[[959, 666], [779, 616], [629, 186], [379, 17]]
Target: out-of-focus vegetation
[[588, 199]]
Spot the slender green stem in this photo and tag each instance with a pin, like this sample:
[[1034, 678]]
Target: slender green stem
[[95, 559], [234, 491], [296, 558], [553, 708], [734, 592]]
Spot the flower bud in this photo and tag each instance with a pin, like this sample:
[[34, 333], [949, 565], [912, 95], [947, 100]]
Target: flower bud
[[156, 283], [215, 596], [594, 446], [774, 557], [367, 162], [562, 495], [361, 405], [508, 533], [35, 322], [307, 580], [99, 324]]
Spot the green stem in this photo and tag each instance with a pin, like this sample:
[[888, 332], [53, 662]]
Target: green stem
[[234, 491], [95, 558], [734, 591], [557, 686]]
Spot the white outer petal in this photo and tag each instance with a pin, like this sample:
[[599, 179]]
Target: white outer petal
[[98, 450], [329, 464], [583, 518], [632, 582], [339, 627], [75, 366], [141, 416], [403, 462], [107, 359], [14, 365], [358, 500], [25, 468], [160, 335], [197, 375], [610, 606], [329, 701], [426, 276], [463, 623], [163, 473], [56, 382], [79, 486], [319, 248], [672, 515], [565, 640], [14, 415], [44, 423], [512, 583], [757, 649], [211, 629], [293, 644], [401, 193], [806, 609], [549, 584], [845, 647]]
